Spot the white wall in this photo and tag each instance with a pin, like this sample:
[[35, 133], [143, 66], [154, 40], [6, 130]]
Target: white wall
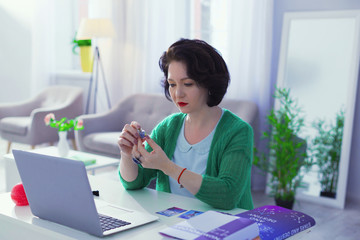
[[15, 50], [25, 48]]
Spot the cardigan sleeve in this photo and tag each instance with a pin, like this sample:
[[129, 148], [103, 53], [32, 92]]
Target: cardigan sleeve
[[227, 182]]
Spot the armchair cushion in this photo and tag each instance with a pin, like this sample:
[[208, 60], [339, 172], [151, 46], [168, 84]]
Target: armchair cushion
[[103, 142], [15, 125]]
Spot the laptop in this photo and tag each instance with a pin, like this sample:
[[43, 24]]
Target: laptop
[[58, 190]]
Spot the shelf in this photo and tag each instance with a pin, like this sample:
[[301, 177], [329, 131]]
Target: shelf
[[73, 75]]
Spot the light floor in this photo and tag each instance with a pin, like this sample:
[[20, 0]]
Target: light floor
[[331, 223]]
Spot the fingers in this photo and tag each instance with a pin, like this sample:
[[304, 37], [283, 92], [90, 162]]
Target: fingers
[[135, 152], [135, 125], [130, 132], [155, 159], [151, 142], [128, 137], [141, 147], [122, 142]]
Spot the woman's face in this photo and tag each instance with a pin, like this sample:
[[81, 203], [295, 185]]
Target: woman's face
[[184, 91]]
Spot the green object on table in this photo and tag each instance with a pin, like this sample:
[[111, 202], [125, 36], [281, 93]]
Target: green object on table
[[85, 159]]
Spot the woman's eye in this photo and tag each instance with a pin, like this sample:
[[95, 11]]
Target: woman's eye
[[171, 85], [188, 84]]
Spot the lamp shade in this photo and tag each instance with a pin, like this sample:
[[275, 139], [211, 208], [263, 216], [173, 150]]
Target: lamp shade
[[95, 28]]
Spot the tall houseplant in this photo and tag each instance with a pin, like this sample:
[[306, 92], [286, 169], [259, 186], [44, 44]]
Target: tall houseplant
[[326, 151], [287, 152]]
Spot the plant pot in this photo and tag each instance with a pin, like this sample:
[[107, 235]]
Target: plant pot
[[86, 58], [328, 194], [284, 203]]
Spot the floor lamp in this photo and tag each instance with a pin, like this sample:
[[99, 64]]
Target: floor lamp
[[94, 28]]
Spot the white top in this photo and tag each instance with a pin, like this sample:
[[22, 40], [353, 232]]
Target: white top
[[193, 157]]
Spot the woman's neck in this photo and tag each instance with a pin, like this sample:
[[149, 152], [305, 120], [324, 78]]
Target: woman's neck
[[201, 118], [199, 125]]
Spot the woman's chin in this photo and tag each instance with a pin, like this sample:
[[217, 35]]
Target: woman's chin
[[183, 109]]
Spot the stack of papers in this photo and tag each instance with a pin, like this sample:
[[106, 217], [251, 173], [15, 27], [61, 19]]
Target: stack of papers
[[214, 225]]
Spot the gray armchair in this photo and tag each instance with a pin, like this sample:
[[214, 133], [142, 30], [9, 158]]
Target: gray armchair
[[24, 122], [101, 131]]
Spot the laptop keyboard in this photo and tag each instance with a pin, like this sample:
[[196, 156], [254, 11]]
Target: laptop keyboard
[[108, 223]]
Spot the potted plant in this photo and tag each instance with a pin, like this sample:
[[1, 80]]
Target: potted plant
[[287, 152], [326, 152], [86, 56], [63, 126]]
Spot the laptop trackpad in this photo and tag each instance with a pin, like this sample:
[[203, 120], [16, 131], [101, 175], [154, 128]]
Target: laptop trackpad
[[113, 211]]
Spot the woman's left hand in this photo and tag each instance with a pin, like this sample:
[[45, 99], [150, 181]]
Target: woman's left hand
[[156, 159]]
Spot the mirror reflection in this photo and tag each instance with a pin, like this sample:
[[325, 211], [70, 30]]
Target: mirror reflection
[[319, 64]]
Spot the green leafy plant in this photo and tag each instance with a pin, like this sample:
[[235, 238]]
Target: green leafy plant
[[80, 43], [287, 152], [326, 151], [63, 124]]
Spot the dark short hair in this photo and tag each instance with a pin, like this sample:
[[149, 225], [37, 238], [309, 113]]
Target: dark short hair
[[204, 65]]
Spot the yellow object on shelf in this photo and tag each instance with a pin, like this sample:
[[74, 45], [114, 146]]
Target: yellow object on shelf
[[86, 58]]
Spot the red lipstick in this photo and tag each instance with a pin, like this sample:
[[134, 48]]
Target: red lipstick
[[182, 104]]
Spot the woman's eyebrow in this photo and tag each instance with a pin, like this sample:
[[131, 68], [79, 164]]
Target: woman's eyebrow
[[182, 79]]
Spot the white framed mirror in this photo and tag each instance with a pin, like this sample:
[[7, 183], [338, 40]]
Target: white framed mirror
[[319, 63]]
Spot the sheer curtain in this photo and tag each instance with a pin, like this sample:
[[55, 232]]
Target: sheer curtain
[[144, 29], [151, 26], [242, 32], [43, 44], [249, 61], [52, 31], [239, 29]]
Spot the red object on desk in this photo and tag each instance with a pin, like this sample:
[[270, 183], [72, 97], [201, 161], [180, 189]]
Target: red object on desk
[[18, 195]]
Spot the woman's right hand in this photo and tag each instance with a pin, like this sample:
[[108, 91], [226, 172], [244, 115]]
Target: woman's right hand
[[128, 138]]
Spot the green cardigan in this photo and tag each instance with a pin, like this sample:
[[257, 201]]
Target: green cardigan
[[227, 179]]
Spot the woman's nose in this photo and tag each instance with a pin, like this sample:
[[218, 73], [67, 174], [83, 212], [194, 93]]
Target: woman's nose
[[179, 92]]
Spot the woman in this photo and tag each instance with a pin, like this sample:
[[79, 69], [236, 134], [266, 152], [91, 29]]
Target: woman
[[203, 151]]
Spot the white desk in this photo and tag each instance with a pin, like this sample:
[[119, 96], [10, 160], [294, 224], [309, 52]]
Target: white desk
[[18, 222], [12, 176]]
